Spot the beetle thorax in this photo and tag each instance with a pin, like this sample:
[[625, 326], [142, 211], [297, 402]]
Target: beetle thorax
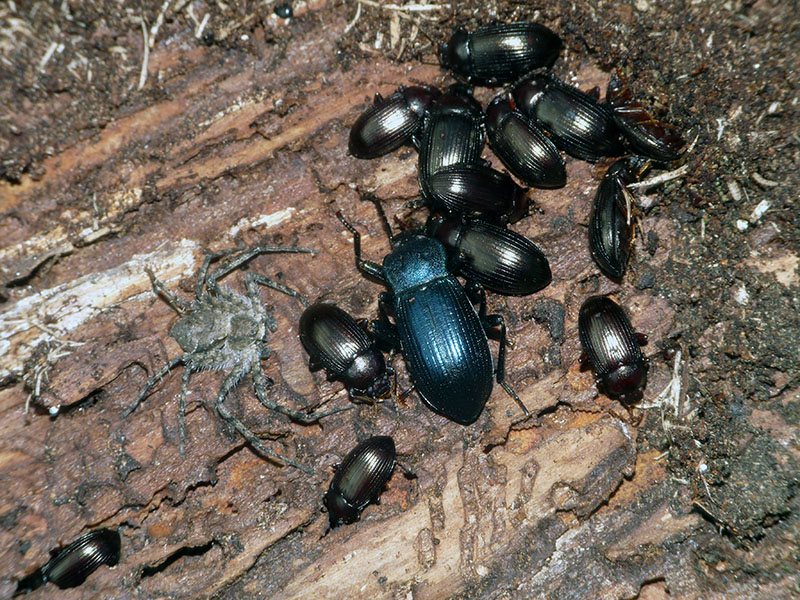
[[416, 262]]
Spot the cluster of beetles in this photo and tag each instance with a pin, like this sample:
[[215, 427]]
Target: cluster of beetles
[[426, 314]]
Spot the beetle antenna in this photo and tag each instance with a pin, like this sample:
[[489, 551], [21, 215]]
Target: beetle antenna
[[382, 215]]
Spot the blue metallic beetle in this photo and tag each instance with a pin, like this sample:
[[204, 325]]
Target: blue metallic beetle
[[441, 336]]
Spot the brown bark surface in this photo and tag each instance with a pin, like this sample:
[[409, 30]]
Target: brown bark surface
[[240, 140]]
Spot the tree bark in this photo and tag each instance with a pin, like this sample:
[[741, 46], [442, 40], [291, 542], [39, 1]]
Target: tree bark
[[243, 142]]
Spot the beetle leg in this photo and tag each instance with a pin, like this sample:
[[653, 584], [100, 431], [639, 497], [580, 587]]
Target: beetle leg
[[177, 304], [383, 329], [477, 295], [260, 385], [584, 361], [368, 268], [490, 322], [230, 382], [152, 381], [641, 338], [238, 261]]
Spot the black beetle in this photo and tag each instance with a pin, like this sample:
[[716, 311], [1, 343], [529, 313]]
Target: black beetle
[[476, 189], [336, 342], [390, 122], [576, 122], [648, 136], [72, 565], [452, 133], [522, 147], [612, 348], [442, 338], [359, 479], [501, 260], [611, 226], [500, 53]]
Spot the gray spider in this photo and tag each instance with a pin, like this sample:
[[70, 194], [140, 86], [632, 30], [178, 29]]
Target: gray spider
[[224, 330]]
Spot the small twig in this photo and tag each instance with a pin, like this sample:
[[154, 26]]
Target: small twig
[[201, 27], [406, 7], [702, 468], [352, 23], [179, 7], [47, 56], [226, 31], [662, 178], [157, 25], [146, 55]]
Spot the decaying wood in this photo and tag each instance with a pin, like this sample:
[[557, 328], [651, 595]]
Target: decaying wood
[[231, 153]]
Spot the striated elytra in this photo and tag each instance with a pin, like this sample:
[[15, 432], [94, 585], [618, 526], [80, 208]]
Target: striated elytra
[[500, 53], [576, 122], [523, 147], [476, 189], [612, 348], [499, 259], [72, 565], [390, 122], [336, 342], [452, 133], [611, 225], [359, 479]]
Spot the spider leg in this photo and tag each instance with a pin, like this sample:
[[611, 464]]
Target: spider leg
[[202, 272], [260, 385], [187, 373], [152, 381], [236, 262], [230, 382], [177, 304], [253, 278]]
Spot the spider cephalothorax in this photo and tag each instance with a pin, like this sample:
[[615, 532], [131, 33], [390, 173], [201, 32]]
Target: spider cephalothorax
[[224, 330]]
